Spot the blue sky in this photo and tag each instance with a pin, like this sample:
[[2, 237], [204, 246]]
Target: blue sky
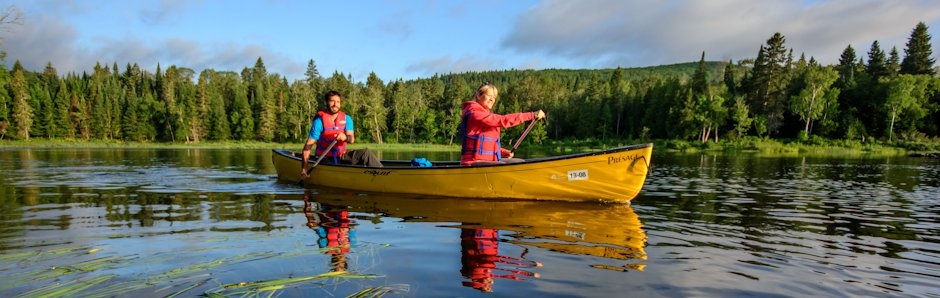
[[413, 39]]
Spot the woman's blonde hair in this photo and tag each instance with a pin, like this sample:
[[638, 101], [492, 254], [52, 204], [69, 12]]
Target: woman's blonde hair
[[485, 89]]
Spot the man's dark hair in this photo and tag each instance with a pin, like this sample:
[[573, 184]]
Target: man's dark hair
[[331, 93]]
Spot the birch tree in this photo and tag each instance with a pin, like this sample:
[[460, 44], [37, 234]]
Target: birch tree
[[812, 100]]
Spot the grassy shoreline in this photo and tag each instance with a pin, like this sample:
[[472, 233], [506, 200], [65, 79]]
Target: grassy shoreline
[[759, 146], [748, 145]]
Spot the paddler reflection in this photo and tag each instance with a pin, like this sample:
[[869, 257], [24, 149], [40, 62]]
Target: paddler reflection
[[333, 227], [481, 262]]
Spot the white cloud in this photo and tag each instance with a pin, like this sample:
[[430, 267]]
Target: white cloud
[[607, 33], [49, 40], [441, 37]]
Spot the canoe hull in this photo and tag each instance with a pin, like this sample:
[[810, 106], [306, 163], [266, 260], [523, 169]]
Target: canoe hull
[[615, 175]]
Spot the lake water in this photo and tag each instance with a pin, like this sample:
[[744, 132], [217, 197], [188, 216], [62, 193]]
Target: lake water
[[200, 222]]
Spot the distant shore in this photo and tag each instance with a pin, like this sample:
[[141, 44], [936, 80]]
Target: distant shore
[[757, 146]]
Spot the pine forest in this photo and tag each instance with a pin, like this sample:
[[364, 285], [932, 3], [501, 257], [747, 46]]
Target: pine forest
[[871, 95]]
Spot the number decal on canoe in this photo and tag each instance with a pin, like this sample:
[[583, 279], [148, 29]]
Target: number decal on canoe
[[578, 175]]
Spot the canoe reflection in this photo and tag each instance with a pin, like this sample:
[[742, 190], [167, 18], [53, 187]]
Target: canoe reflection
[[611, 232]]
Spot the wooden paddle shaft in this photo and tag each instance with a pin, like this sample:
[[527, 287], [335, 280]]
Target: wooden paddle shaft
[[524, 133], [315, 163]]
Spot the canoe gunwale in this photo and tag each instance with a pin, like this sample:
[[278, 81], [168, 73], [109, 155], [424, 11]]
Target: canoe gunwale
[[405, 164]]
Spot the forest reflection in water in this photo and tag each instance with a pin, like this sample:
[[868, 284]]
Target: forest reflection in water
[[157, 222]]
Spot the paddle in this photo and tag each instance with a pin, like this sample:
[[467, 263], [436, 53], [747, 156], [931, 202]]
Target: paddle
[[315, 163], [524, 133]]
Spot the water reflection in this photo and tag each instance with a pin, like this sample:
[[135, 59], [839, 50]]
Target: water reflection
[[336, 231], [482, 264], [718, 226], [863, 225], [611, 235]]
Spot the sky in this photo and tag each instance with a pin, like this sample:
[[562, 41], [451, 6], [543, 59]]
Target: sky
[[409, 39]]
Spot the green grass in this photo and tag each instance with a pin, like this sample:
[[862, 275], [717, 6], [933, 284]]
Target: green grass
[[806, 146], [243, 289], [796, 147]]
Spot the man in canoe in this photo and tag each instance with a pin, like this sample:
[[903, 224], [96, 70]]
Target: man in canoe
[[332, 124], [480, 127]]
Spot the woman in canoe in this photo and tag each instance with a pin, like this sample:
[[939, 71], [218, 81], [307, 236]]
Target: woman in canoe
[[480, 128]]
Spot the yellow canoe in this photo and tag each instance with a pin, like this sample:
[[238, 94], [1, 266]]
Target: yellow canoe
[[613, 175], [611, 231]]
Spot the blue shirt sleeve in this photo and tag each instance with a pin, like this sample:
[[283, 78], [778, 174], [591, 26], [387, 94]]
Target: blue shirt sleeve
[[349, 123], [316, 129]]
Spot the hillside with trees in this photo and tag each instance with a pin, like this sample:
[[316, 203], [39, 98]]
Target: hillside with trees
[[877, 96]]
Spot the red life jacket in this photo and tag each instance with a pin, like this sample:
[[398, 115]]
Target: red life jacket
[[480, 142], [485, 242], [330, 130], [479, 129]]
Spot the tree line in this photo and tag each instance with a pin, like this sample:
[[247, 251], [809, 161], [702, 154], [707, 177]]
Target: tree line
[[879, 96]]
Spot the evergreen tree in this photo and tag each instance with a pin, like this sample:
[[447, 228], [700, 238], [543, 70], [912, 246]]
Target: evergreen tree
[[918, 56], [846, 69], [877, 62], [168, 112], [219, 125], [42, 108], [313, 75], [78, 107], [769, 81], [5, 100], [729, 78], [114, 90], [894, 62], [62, 106], [97, 103], [593, 119], [22, 113], [620, 93], [262, 91], [851, 73], [49, 82], [199, 121], [243, 123], [131, 117], [700, 78]]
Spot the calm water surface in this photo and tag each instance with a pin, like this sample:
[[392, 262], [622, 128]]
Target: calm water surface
[[198, 222]]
